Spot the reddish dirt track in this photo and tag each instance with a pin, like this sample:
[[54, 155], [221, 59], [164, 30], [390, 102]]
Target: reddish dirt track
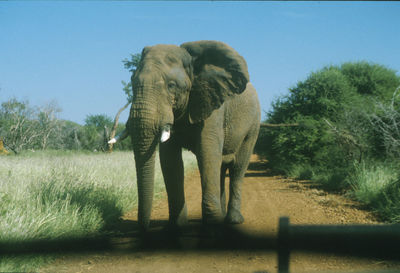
[[265, 198]]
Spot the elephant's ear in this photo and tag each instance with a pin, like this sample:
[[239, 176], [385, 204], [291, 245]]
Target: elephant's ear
[[218, 73]]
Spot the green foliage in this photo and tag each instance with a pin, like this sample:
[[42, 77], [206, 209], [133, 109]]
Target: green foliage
[[331, 107], [369, 179], [25, 127], [98, 121], [346, 114], [131, 64], [127, 87], [371, 79], [302, 172], [96, 131], [72, 133], [388, 204], [321, 95]]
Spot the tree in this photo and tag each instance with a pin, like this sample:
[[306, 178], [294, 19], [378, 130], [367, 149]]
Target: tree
[[130, 64], [386, 120], [371, 79], [72, 135], [49, 126], [18, 126], [98, 121], [94, 131], [334, 108]]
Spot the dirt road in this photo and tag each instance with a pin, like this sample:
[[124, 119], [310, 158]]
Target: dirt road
[[265, 198]]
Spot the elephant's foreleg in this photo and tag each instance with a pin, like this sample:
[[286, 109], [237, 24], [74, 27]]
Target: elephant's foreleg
[[236, 174], [173, 172]]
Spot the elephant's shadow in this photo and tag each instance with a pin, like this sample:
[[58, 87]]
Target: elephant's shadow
[[125, 237], [194, 236]]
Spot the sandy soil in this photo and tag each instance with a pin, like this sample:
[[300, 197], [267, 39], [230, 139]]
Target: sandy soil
[[265, 199]]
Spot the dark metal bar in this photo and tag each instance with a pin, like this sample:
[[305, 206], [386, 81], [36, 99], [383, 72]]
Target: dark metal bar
[[379, 241], [368, 240], [283, 245]]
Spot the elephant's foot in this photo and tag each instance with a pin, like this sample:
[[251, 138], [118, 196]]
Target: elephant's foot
[[234, 217], [180, 219], [212, 213], [213, 219]]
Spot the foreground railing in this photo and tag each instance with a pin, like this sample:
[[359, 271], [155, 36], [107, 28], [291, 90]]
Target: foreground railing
[[379, 241]]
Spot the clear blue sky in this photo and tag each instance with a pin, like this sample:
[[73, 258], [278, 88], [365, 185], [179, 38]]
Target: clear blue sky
[[71, 52]]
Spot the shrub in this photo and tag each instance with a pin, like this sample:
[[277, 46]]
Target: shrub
[[348, 120], [331, 106]]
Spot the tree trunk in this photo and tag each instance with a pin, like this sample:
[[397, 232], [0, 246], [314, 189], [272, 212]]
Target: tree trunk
[[105, 146], [270, 125], [114, 128]]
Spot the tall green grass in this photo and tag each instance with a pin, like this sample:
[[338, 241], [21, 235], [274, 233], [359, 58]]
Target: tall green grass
[[377, 185], [56, 195], [374, 184], [369, 180]]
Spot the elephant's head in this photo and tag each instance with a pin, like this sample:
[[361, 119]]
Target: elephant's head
[[174, 83]]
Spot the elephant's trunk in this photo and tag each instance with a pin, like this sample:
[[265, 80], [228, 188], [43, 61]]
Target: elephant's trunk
[[145, 183], [145, 137], [146, 121]]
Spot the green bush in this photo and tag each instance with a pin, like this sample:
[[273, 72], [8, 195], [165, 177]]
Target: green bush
[[347, 115], [388, 203], [332, 109], [302, 172]]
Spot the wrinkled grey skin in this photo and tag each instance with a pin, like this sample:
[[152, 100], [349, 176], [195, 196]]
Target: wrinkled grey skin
[[201, 91]]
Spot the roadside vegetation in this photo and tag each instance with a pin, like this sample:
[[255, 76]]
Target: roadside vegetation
[[348, 138], [26, 127], [61, 195]]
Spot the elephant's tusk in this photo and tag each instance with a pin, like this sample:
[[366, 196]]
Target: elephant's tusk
[[121, 136], [165, 135]]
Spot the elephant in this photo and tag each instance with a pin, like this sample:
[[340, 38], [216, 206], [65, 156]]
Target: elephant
[[195, 96]]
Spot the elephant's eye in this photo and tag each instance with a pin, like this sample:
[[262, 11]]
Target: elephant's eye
[[171, 85]]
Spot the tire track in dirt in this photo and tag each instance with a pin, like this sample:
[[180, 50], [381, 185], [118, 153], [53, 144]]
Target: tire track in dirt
[[264, 199]]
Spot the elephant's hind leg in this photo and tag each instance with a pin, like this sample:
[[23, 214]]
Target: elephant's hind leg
[[223, 194], [236, 174]]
